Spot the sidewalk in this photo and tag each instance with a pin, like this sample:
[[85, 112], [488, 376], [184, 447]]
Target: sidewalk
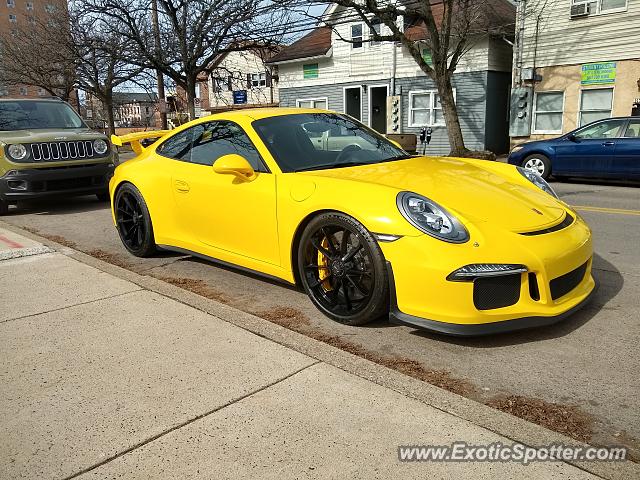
[[102, 378]]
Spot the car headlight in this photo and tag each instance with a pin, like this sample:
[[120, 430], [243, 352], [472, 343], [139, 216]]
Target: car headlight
[[517, 148], [537, 180], [100, 146], [430, 218], [17, 152]]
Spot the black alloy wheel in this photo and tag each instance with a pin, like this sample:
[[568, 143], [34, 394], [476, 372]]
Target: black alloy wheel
[[343, 270], [133, 221]]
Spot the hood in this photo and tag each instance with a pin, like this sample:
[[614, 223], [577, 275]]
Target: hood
[[465, 188], [48, 135]]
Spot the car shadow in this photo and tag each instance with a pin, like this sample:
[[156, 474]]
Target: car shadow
[[58, 205], [609, 283]]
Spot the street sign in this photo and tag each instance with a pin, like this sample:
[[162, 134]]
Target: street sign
[[239, 97], [603, 73]]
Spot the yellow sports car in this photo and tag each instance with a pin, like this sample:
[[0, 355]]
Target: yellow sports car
[[459, 246]]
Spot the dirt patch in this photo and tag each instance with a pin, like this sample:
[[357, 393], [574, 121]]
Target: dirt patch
[[108, 257], [297, 321], [54, 238], [287, 317], [196, 286], [569, 420]]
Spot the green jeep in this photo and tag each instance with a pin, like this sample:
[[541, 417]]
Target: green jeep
[[46, 149]]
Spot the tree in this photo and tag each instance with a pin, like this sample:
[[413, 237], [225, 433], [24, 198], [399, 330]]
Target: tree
[[38, 54], [447, 28], [101, 59], [192, 33]]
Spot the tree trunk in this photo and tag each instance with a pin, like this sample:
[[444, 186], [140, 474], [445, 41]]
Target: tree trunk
[[107, 104], [191, 97], [451, 119]]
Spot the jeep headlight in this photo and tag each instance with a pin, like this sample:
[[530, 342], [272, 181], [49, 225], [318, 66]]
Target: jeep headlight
[[17, 151], [537, 180], [430, 218], [100, 146]]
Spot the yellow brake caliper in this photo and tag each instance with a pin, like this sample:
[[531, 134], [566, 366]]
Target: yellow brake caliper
[[323, 267]]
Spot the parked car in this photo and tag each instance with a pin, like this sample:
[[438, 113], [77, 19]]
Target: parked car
[[459, 246], [40, 139], [607, 149]]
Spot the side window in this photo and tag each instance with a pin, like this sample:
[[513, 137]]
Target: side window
[[179, 146], [608, 129], [633, 129], [216, 139]]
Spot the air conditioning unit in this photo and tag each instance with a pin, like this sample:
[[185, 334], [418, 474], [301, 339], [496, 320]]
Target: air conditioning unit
[[581, 9]]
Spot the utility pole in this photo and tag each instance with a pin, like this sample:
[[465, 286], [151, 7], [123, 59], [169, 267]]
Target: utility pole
[[159, 76]]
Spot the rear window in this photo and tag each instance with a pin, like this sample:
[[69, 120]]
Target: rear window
[[36, 115]]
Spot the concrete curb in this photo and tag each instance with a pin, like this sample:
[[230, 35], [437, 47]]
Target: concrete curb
[[501, 423]]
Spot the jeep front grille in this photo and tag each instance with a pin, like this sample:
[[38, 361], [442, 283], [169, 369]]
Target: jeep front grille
[[56, 151]]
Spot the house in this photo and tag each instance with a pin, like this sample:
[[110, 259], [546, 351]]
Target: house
[[322, 70], [135, 109], [575, 62], [239, 79]]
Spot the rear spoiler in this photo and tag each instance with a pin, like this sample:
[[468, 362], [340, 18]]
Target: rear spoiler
[[136, 138]]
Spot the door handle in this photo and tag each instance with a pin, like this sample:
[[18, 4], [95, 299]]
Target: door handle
[[608, 144], [181, 186]]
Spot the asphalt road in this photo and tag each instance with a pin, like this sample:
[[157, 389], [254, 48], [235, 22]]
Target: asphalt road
[[591, 360]]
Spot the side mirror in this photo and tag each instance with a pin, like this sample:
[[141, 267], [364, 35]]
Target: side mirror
[[234, 164], [572, 138]]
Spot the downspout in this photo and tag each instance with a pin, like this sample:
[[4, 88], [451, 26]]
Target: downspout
[[394, 61], [521, 13]]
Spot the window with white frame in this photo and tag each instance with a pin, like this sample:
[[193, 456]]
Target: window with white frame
[[548, 108], [42, 92], [425, 108], [259, 79], [29, 6], [595, 104], [376, 26], [320, 103], [23, 91], [11, 3], [50, 8], [604, 6], [357, 35], [13, 18]]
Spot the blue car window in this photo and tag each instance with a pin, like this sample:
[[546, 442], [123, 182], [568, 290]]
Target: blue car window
[[633, 129], [606, 129]]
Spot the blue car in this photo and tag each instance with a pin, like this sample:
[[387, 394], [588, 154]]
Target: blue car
[[605, 149]]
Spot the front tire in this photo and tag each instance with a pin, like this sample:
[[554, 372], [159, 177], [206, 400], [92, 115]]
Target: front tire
[[133, 221], [539, 164], [4, 207], [343, 270]]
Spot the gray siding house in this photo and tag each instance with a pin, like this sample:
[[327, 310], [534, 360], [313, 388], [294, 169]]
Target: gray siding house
[[323, 71]]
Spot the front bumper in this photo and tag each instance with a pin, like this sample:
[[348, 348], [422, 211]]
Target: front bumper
[[558, 264], [31, 183]]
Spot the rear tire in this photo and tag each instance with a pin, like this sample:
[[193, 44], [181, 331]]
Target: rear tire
[[343, 270], [133, 221], [539, 164]]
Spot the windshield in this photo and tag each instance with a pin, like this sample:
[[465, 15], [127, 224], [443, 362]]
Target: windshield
[[315, 141], [30, 115]]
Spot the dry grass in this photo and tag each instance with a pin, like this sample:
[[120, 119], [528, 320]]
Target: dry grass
[[196, 286], [297, 321], [566, 419]]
